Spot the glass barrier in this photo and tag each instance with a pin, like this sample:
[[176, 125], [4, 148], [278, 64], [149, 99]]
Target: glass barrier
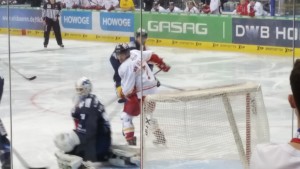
[[209, 83]]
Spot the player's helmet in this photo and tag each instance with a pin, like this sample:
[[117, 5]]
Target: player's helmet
[[83, 86], [122, 48], [141, 32]]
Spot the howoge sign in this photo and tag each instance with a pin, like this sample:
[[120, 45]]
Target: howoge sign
[[267, 32]]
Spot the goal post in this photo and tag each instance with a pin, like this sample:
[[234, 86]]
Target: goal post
[[217, 124]]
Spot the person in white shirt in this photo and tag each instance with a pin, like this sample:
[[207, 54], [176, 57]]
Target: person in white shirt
[[173, 8], [214, 7], [190, 8], [157, 8], [257, 7], [110, 4], [287, 155], [137, 81], [85, 4]]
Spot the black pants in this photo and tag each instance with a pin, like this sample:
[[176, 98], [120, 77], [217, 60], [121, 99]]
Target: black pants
[[50, 23]]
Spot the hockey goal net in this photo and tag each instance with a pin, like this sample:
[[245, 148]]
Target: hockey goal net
[[214, 125]]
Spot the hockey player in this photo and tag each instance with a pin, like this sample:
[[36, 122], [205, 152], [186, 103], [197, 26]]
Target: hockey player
[[140, 41], [132, 70], [284, 155], [4, 142], [91, 139]]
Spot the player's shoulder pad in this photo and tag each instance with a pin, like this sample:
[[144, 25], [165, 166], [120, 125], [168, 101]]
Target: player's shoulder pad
[[95, 101], [97, 104]]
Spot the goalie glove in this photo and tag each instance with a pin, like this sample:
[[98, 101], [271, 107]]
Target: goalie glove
[[159, 62], [66, 141]]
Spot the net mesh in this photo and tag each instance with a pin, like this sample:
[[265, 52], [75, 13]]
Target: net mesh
[[218, 123]]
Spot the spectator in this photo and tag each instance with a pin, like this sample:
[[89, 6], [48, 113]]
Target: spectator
[[255, 8], [173, 8], [191, 8], [287, 155], [85, 4], [110, 5], [241, 8], [215, 7], [99, 4], [127, 5], [148, 5], [75, 3], [157, 8]]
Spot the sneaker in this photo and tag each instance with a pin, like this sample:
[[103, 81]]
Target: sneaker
[[61, 45]]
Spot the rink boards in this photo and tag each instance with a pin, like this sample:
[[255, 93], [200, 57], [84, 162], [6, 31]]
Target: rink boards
[[267, 35]]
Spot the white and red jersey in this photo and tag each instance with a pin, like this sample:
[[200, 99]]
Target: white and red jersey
[[275, 156], [136, 75]]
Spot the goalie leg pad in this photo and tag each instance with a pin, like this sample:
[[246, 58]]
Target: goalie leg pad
[[66, 141], [124, 156], [68, 161]]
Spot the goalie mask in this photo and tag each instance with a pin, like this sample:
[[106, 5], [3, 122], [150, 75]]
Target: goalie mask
[[122, 51], [83, 86]]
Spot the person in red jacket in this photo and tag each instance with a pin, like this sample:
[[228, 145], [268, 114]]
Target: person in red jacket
[[241, 9]]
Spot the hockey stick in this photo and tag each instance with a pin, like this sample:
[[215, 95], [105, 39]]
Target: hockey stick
[[24, 163], [15, 70], [172, 87], [157, 72]]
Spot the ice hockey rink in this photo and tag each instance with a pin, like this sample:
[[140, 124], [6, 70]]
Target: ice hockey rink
[[41, 108]]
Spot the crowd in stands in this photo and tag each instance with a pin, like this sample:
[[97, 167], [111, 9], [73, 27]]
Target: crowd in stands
[[243, 7]]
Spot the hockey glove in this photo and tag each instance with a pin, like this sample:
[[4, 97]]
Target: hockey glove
[[164, 67], [120, 93], [159, 62]]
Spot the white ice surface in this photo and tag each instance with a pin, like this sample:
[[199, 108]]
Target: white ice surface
[[41, 108]]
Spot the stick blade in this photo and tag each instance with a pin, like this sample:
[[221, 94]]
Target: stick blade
[[32, 78]]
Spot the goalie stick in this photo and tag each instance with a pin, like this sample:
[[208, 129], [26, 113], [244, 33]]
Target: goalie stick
[[15, 70], [24, 163]]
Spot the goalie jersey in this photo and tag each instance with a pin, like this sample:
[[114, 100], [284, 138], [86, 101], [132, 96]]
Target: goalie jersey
[[92, 128]]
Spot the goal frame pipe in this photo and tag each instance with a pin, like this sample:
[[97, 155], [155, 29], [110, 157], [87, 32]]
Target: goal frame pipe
[[235, 131]]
